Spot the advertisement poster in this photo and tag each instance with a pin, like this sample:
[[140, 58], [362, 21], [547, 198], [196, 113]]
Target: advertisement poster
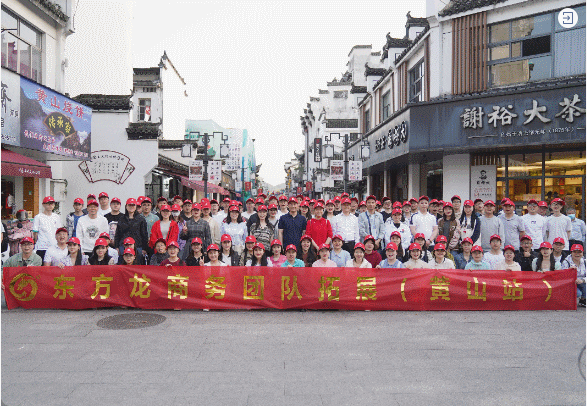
[[196, 170], [214, 171], [238, 186], [10, 108], [355, 170], [337, 170], [483, 183]]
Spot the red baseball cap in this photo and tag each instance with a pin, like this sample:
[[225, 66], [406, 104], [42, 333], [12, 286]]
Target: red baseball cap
[[275, 242], [73, 240], [396, 211], [225, 200], [396, 205], [337, 198], [206, 205], [225, 237], [250, 199], [441, 238], [214, 201], [344, 194], [468, 203], [250, 238], [103, 194], [448, 204], [128, 251], [259, 245], [439, 246], [363, 203], [172, 244], [93, 202], [391, 246], [161, 240], [176, 207], [385, 198], [525, 237], [48, 199], [161, 199], [318, 205], [131, 201], [419, 235], [478, 200], [413, 199], [304, 203], [377, 203], [355, 198], [262, 208], [177, 197], [467, 239], [78, 200], [396, 233], [259, 200], [558, 200], [272, 206], [559, 240], [324, 247], [455, 197], [306, 237], [165, 207], [359, 245], [545, 244], [234, 208], [115, 200], [346, 200], [91, 196], [489, 203], [101, 242], [414, 246], [371, 197], [577, 247], [424, 198], [368, 237], [282, 197], [187, 201], [509, 247], [105, 235], [60, 229], [494, 237], [477, 248], [542, 203], [144, 199], [532, 201], [292, 200], [507, 202], [337, 236], [433, 201], [128, 240], [196, 240], [27, 239], [291, 247], [196, 206]]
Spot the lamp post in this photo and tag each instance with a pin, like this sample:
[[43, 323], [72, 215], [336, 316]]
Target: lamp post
[[206, 138], [345, 138]]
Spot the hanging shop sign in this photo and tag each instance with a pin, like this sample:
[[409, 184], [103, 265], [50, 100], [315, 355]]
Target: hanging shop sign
[[317, 149], [107, 165], [355, 171], [336, 169], [196, 170], [214, 171], [394, 137]]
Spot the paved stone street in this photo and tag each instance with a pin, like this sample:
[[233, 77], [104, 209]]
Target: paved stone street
[[59, 357]]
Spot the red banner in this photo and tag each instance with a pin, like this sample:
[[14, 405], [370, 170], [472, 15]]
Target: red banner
[[151, 287]]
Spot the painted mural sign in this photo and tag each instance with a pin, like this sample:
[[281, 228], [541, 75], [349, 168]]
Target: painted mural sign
[[36, 117], [107, 165]]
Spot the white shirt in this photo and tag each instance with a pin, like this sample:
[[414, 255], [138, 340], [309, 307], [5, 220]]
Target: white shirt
[[45, 227], [424, 223], [403, 230], [493, 260], [219, 217], [103, 212], [221, 264], [347, 227], [55, 254], [445, 264], [558, 227], [535, 228], [365, 264], [88, 230]]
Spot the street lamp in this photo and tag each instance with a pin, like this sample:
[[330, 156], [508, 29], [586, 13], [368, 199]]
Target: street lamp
[[206, 138]]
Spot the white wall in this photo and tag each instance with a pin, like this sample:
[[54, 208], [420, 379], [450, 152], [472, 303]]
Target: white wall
[[413, 180], [174, 105], [109, 133], [456, 176]]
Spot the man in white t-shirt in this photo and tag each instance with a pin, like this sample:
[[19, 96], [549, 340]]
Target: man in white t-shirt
[[282, 206], [57, 252], [558, 225], [45, 226], [89, 228], [424, 222], [104, 200], [535, 224]]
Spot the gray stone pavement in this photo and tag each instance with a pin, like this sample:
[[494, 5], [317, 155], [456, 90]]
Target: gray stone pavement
[[61, 357]]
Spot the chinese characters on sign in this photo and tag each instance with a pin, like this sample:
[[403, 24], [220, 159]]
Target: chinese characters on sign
[[394, 137], [214, 171], [355, 170], [483, 184], [107, 165], [336, 169], [196, 170]]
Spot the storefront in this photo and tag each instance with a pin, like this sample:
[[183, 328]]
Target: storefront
[[526, 142]]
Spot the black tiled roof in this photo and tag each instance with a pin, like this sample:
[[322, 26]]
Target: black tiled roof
[[359, 89], [320, 91], [374, 71], [412, 45], [460, 6], [316, 99], [416, 20], [396, 42], [143, 131], [146, 71], [342, 123], [105, 101]]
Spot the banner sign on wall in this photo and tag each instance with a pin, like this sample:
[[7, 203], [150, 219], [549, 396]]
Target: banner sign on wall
[[214, 171], [107, 165], [153, 287], [483, 182], [355, 170], [336, 169], [196, 170], [36, 117]]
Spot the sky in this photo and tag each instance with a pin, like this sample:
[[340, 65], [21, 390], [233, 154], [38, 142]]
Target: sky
[[247, 64]]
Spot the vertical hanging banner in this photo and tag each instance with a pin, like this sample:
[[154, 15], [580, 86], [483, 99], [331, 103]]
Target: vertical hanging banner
[[247, 186], [196, 170], [317, 149], [238, 186], [355, 170], [299, 190], [308, 186], [214, 171], [337, 169], [233, 162]]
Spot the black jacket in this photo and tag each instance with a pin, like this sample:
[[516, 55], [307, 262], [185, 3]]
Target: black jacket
[[525, 262], [135, 227]]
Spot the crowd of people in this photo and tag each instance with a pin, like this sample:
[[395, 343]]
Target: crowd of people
[[420, 233]]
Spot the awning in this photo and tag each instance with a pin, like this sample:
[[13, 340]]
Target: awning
[[199, 185], [14, 164]]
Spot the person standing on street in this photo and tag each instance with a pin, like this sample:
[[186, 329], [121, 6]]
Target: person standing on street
[[347, 227], [514, 228], [577, 228], [45, 226], [470, 223], [490, 226], [292, 226], [113, 217], [89, 228], [250, 203], [165, 228], [558, 225], [371, 223], [74, 216], [318, 228], [215, 232], [195, 227], [132, 225], [479, 207], [535, 225], [150, 217], [55, 253], [424, 223], [282, 206], [26, 256]]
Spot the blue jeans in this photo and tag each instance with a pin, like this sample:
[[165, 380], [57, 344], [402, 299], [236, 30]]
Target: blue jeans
[[581, 290]]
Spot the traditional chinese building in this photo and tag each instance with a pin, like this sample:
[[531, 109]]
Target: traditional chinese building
[[487, 101]]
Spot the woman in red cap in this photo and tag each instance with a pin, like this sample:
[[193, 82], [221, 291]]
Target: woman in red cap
[[306, 253], [160, 253], [173, 251], [577, 261], [100, 254], [165, 228], [358, 260], [449, 226], [259, 256], [197, 256], [75, 256], [262, 229], [132, 225], [469, 222], [545, 261], [415, 262], [277, 258]]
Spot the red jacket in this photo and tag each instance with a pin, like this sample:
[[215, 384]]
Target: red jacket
[[172, 234], [319, 230]]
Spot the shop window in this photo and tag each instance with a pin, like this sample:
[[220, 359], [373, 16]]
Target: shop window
[[386, 105], [432, 171], [367, 120], [524, 165], [526, 49], [564, 163], [21, 46]]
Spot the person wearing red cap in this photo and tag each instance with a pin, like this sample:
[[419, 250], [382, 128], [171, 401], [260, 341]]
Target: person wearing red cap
[[371, 255], [456, 204], [490, 225], [58, 251], [282, 207], [173, 252], [371, 223], [338, 205], [558, 225], [262, 229], [197, 255], [195, 227], [290, 258], [100, 254], [324, 260], [74, 256], [414, 260], [104, 201], [439, 260], [387, 209], [433, 208], [577, 227], [177, 199], [477, 263], [164, 228], [396, 223], [545, 262], [186, 210], [534, 224], [114, 216], [259, 256], [354, 206], [495, 254], [73, 217], [449, 227], [318, 228], [151, 217], [89, 228], [557, 250], [26, 256], [509, 263], [45, 224], [276, 256], [250, 204], [306, 252], [358, 260], [215, 232], [577, 261], [160, 252], [234, 226], [543, 209], [413, 206], [347, 226], [132, 225], [463, 255], [292, 225], [424, 222], [329, 212], [391, 260], [469, 222], [513, 225], [526, 255]]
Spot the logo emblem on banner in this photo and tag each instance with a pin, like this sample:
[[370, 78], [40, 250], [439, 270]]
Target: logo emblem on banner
[[19, 287]]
